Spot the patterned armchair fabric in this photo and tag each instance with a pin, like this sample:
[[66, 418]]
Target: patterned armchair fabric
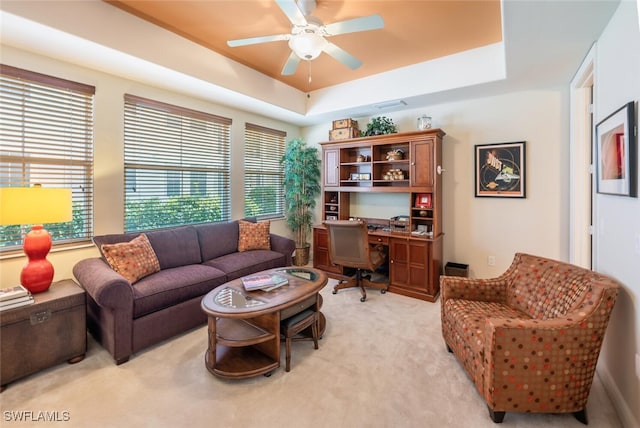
[[530, 338]]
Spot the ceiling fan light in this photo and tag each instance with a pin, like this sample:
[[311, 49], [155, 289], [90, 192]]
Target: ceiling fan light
[[307, 46]]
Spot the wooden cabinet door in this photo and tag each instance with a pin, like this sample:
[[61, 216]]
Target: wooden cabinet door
[[399, 262], [410, 268], [422, 158], [332, 167], [321, 252], [419, 252]]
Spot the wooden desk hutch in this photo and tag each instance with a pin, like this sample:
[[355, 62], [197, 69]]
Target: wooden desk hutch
[[365, 165]]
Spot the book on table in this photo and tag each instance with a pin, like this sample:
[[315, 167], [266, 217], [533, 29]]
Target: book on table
[[9, 293], [16, 302], [265, 282]]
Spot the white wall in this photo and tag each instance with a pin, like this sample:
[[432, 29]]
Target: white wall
[[617, 218], [109, 151], [476, 228]]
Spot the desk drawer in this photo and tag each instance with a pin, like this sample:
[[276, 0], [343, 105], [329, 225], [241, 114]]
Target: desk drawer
[[298, 307], [373, 239]]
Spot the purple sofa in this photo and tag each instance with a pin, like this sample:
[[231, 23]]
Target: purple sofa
[[194, 260]]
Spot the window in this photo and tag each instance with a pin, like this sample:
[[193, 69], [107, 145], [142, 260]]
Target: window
[[46, 130], [263, 191], [176, 165]]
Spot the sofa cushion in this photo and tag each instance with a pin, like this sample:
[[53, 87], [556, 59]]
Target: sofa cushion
[[133, 260], [176, 247], [254, 236], [217, 239], [115, 238], [237, 265], [547, 289], [174, 285]]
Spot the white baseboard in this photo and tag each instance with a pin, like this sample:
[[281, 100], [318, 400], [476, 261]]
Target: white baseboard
[[619, 402]]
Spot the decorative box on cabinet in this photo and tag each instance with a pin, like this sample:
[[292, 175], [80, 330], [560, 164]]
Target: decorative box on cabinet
[[48, 332]]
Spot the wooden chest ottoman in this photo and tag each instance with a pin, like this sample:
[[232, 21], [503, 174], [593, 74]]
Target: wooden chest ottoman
[[49, 331]]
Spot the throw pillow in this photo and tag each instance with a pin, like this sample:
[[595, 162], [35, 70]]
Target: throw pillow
[[134, 259], [254, 236]]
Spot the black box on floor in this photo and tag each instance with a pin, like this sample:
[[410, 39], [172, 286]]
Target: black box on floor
[[456, 269]]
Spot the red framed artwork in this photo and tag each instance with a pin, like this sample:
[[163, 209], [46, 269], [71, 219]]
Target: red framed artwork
[[617, 153], [423, 200]]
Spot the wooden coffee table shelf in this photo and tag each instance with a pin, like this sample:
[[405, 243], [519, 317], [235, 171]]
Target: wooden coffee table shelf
[[239, 363], [234, 332], [244, 336]]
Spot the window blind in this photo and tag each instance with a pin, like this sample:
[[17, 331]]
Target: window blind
[[176, 164], [46, 131], [263, 176]]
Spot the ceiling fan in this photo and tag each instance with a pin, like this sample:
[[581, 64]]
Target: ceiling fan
[[307, 39]]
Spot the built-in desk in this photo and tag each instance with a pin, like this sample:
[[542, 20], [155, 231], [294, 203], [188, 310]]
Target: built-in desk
[[414, 262], [409, 163]]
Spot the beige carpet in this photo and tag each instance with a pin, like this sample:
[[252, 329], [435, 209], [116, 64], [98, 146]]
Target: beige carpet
[[381, 363]]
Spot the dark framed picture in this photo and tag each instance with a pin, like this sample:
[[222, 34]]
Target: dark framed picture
[[365, 176], [617, 153], [500, 170], [423, 200], [355, 176]]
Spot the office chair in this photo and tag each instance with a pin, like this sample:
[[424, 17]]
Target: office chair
[[349, 247]]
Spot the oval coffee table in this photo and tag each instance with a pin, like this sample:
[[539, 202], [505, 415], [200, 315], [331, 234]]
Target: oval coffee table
[[244, 326]]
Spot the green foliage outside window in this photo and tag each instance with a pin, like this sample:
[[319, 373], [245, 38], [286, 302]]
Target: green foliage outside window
[[157, 213], [76, 229], [261, 200]]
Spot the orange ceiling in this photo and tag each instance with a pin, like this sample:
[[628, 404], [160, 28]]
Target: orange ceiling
[[414, 31]]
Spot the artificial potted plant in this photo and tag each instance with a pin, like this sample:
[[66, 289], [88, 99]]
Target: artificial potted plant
[[301, 167], [380, 125]]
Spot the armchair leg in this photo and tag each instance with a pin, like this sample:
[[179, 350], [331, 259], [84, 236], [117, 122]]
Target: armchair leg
[[496, 417], [581, 415]]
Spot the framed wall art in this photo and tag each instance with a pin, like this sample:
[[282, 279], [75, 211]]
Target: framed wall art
[[423, 200], [500, 170], [617, 153]]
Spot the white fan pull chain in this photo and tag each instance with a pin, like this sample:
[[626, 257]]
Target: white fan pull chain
[[309, 79]]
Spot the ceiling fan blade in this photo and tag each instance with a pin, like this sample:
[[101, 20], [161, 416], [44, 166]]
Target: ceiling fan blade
[[291, 9], [341, 55], [291, 65], [365, 23], [256, 40]]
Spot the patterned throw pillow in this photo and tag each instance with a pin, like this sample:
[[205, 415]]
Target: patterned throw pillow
[[134, 259], [254, 236]]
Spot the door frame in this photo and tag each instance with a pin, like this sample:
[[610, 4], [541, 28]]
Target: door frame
[[581, 194]]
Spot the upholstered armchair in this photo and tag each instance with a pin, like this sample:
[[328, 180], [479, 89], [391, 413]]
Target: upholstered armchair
[[530, 338]]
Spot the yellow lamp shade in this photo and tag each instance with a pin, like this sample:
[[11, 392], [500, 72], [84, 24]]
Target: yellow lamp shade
[[34, 205]]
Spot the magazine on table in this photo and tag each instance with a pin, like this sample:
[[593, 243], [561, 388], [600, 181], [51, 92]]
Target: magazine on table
[[265, 282]]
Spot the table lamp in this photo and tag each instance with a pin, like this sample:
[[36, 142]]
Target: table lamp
[[35, 205]]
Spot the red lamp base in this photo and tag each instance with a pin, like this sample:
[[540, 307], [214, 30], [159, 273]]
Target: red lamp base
[[37, 274]]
